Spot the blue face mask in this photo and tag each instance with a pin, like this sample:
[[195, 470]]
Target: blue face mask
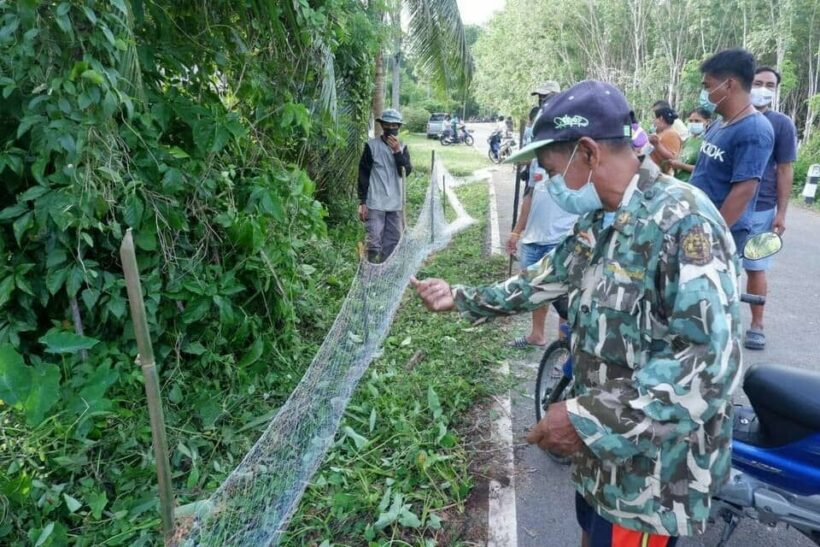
[[578, 202], [695, 128], [706, 103]]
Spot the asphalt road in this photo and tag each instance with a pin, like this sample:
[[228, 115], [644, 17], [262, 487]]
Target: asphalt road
[[544, 495]]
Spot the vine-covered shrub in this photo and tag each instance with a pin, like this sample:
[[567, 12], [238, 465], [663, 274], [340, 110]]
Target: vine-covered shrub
[[219, 132]]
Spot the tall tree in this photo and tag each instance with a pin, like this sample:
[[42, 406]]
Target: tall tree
[[649, 48], [436, 39]]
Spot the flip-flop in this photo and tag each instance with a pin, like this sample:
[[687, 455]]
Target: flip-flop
[[754, 339], [522, 343]]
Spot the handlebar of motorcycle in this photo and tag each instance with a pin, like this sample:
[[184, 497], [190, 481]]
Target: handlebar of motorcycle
[[753, 299]]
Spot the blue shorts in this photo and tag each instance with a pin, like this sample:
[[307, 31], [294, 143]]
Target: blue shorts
[[533, 252], [740, 235], [759, 222], [603, 533]]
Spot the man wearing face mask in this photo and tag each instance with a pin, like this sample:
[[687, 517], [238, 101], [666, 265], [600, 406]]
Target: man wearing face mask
[[380, 187], [735, 150], [541, 225], [651, 274], [769, 213]]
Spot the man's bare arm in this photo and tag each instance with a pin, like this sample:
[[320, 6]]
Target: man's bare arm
[[739, 196]]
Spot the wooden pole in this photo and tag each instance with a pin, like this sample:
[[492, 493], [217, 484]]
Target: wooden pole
[[517, 191], [432, 196], [443, 193], [432, 208], [149, 371], [403, 200]]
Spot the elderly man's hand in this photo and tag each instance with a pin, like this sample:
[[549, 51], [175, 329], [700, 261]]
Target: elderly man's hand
[[555, 432], [435, 293]]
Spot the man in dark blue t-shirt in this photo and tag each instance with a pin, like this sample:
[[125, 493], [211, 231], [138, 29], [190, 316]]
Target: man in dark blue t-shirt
[[773, 194], [735, 150]]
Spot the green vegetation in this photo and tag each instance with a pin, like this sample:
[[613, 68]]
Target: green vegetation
[[399, 468], [649, 49], [460, 160], [218, 131]]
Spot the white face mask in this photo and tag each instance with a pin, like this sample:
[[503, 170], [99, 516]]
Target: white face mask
[[581, 201], [695, 128], [762, 96]]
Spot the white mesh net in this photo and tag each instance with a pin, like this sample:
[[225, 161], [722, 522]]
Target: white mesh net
[[254, 503]]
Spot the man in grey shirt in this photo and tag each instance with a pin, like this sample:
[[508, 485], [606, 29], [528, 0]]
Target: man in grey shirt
[[380, 187]]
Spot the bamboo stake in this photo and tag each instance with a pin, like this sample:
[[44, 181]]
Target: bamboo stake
[[432, 208], [152, 392], [403, 200], [444, 195]]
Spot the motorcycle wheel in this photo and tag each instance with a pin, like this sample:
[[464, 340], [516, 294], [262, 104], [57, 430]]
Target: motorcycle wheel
[[444, 141], [468, 140]]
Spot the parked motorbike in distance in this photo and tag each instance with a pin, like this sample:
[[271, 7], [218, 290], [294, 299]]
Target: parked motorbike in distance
[[463, 136], [504, 147]]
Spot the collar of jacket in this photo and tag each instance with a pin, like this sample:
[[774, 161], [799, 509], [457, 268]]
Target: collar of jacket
[[633, 200]]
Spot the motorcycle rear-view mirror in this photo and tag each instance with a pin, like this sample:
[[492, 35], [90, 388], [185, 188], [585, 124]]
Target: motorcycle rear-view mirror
[[762, 246]]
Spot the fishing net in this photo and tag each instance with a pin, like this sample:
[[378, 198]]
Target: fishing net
[[254, 503]]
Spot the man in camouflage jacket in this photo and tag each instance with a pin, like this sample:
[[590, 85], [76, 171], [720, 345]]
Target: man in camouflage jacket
[[651, 276]]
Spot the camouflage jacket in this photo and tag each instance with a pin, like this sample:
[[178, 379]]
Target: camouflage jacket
[[653, 306]]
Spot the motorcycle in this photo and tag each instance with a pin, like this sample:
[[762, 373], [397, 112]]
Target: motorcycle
[[775, 474], [501, 147], [464, 136]]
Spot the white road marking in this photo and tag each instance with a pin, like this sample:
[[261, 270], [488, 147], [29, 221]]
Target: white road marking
[[502, 529]]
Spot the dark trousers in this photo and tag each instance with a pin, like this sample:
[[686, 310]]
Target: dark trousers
[[383, 233]]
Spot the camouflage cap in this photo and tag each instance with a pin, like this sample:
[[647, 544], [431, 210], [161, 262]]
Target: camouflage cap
[[390, 116], [547, 88]]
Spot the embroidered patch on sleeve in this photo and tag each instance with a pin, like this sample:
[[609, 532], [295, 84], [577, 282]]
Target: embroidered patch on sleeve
[[696, 247]]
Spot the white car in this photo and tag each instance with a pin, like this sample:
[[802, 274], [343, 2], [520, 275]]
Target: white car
[[436, 125]]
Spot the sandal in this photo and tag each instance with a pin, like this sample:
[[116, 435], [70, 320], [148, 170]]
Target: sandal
[[754, 339], [522, 343]]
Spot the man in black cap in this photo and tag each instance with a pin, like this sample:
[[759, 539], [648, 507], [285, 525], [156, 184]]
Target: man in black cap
[[651, 275]]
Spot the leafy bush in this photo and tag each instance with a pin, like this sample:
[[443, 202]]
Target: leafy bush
[[438, 105], [210, 130], [415, 119]]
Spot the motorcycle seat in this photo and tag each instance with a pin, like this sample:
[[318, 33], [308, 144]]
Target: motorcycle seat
[[785, 400]]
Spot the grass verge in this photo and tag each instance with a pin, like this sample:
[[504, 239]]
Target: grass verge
[[461, 160], [399, 469]]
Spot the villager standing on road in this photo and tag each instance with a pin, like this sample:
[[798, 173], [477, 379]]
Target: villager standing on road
[[736, 149], [769, 213], [541, 225], [651, 274], [380, 187]]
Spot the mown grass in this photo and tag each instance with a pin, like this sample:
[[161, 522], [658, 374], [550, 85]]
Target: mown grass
[[461, 160], [398, 470]]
